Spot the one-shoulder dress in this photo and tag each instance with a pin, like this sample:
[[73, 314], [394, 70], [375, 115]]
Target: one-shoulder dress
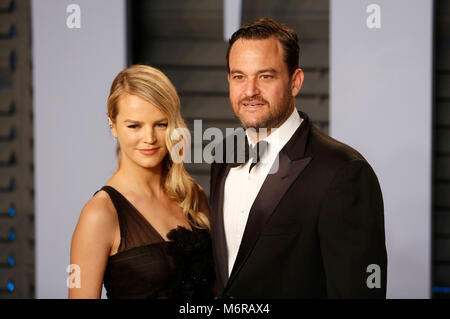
[[147, 266]]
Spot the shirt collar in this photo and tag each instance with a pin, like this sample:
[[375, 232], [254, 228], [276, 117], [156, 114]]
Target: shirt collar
[[281, 135]]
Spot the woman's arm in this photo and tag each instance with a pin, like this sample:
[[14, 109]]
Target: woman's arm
[[91, 245]]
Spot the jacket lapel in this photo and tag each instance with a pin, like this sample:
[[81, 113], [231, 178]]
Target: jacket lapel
[[217, 225], [227, 161], [291, 163], [265, 204]]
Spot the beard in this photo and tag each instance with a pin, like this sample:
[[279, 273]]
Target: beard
[[275, 116]]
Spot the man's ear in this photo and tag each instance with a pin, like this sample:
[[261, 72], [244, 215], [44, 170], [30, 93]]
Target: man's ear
[[297, 81], [228, 77]]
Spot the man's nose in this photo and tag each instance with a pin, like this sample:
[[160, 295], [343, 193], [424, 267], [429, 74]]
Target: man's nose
[[252, 88]]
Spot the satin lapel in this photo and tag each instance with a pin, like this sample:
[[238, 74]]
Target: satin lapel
[[220, 245], [265, 204]]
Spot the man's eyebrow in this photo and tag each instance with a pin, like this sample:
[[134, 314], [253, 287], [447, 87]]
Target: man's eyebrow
[[268, 70]]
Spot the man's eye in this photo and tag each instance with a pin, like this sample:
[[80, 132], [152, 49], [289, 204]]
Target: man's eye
[[238, 77], [133, 126], [266, 76]]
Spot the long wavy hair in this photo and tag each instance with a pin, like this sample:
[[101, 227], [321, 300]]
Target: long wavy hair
[[151, 85]]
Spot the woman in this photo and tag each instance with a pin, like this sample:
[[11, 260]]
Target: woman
[[145, 233]]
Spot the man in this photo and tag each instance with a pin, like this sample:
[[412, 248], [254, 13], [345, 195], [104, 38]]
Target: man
[[307, 220]]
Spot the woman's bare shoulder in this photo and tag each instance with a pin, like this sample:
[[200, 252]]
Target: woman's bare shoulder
[[91, 244], [99, 211]]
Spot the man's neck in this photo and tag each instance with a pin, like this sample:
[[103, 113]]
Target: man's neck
[[256, 135]]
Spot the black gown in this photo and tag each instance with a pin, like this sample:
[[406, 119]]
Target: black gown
[[147, 266]]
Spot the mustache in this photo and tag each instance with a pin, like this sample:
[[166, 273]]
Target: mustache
[[253, 100]]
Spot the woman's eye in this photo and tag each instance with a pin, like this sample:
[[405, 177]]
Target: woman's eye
[[162, 124]]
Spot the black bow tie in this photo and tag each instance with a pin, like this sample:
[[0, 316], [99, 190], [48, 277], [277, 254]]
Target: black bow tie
[[255, 153]]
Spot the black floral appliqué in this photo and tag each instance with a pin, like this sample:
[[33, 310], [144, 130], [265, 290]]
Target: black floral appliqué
[[191, 255]]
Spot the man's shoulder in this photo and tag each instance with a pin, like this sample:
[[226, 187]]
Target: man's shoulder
[[323, 147]]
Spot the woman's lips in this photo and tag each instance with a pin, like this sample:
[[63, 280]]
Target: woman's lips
[[149, 151]]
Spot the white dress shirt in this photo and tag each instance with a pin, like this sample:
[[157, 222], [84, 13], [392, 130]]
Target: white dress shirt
[[242, 187]]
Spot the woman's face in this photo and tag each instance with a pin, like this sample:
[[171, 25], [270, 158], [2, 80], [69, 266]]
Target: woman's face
[[140, 129]]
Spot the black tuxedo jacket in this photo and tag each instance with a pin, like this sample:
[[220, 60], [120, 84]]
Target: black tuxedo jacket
[[313, 230]]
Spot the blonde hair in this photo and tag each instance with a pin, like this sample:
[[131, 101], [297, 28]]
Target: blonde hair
[[151, 85]]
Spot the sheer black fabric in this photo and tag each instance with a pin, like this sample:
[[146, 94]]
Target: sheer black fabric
[[147, 266]]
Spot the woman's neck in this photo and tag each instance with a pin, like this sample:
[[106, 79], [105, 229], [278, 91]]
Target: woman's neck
[[138, 179]]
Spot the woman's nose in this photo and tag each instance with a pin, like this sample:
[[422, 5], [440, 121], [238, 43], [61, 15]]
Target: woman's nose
[[150, 136]]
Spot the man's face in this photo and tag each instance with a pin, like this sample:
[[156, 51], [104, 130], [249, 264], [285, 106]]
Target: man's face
[[261, 90]]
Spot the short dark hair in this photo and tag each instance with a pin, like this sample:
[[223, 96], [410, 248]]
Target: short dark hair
[[265, 28]]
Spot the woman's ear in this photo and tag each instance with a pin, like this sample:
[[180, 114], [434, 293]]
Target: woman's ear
[[112, 127]]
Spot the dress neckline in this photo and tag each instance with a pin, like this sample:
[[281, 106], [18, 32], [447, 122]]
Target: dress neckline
[[146, 221]]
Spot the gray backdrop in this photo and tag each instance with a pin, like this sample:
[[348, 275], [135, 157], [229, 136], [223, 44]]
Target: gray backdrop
[[74, 151], [381, 104]]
